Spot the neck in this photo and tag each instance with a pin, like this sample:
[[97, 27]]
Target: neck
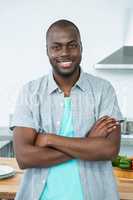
[[66, 83]]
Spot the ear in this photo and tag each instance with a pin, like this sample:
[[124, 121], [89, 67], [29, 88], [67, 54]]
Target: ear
[[81, 47], [47, 50]]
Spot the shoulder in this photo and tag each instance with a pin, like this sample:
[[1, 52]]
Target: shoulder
[[96, 80], [35, 86], [97, 84]]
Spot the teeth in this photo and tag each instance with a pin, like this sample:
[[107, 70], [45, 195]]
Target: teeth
[[66, 64]]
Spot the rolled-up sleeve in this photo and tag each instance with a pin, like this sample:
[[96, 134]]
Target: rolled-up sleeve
[[23, 116], [109, 103]]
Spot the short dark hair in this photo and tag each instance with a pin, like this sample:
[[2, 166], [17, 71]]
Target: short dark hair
[[62, 23]]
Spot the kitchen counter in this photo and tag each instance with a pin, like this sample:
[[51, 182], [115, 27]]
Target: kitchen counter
[[125, 188], [9, 187], [124, 182]]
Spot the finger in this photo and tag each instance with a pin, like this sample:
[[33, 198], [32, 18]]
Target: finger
[[109, 130], [112, 123], [102, 119], [111, 119], [116, 127], [118, 122], [107, 127], [104, 122], [106, 119], [107, 123]]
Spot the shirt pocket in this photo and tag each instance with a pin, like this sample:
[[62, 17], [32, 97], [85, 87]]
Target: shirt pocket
[[88, 119], [85, 118]]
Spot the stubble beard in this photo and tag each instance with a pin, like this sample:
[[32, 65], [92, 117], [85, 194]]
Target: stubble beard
[[63, 73]]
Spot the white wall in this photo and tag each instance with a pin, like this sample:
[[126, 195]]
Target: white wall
[[22, 43], [129, 36]]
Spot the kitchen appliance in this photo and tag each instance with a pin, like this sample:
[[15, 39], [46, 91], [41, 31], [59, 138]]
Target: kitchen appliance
[[127, 126], [121, 58]]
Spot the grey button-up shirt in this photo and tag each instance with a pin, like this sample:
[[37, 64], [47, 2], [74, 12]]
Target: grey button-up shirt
[[40, 106]]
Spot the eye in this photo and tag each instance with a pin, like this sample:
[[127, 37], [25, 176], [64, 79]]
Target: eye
[[73, 45], [56, 47]]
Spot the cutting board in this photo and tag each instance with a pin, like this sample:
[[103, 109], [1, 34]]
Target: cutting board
[[124, 182], [123, 173]]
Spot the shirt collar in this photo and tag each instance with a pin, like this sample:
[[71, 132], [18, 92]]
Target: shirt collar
[[81, 81], [52, 85]]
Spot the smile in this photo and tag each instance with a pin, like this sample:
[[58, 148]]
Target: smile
[[65, 64]]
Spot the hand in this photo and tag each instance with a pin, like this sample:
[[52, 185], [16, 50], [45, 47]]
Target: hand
[[103, 127], [41, 140]]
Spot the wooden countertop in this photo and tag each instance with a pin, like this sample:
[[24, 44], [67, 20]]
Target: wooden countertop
[[125, 188], [9, 186], [124, 182]]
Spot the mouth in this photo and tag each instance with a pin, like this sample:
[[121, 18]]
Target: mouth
[[65, 64]]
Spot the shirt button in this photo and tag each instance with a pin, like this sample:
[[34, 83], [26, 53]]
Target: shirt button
[[58, 122], [61, 104], [60, 91]]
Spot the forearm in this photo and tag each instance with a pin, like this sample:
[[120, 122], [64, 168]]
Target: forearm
[[33, 157], [84, 148]]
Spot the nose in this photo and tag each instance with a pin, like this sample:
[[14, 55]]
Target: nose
[[65, 50]]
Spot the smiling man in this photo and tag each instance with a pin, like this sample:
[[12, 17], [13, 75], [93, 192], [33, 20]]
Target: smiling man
[[66, 127], [64, 49]]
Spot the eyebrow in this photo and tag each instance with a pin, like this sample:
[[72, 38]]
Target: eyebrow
[[58, 43]]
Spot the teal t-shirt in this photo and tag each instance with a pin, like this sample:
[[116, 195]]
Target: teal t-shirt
[[63, 182]]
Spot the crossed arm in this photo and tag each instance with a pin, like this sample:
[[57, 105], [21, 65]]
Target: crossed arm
[[42, 150], [102, 143]]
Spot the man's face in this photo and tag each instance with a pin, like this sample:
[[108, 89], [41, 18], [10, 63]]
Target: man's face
[[64, 50]]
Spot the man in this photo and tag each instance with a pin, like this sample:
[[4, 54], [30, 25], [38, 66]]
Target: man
[[66, 129]]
